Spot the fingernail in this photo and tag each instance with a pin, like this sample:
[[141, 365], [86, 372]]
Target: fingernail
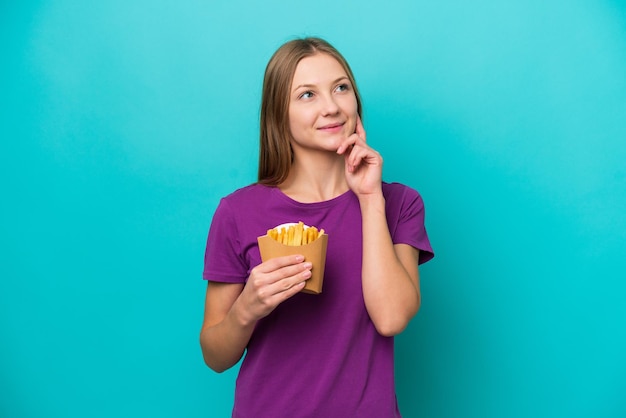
[[299, 258], [308, 266]]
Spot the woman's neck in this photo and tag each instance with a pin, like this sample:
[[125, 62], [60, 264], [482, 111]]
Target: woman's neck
[[313, 179]]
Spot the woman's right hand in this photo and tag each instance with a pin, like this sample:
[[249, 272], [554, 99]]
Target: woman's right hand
[[271, 283], [233, 309]]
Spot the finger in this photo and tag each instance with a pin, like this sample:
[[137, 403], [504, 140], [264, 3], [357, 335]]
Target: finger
[[360, 130], [350, 141], [287, 283], [280, 297], [280, 262], [288, 273], [360, 148], [346, 144], [275, 281], [362, 155], [355, 159], [280, 290]]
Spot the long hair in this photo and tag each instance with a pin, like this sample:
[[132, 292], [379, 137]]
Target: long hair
[[275, 153]]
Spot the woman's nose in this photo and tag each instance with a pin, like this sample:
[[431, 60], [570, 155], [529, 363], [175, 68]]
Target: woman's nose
[[329, 106]]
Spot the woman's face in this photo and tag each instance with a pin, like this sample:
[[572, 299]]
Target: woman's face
[[322, 104]]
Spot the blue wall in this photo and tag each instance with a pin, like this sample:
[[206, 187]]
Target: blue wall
[[123, 123]]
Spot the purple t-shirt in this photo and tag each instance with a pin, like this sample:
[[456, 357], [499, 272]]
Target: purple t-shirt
[[314, 355]]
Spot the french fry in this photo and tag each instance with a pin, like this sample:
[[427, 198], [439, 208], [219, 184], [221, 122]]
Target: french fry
[[305, 236], [295, 234]]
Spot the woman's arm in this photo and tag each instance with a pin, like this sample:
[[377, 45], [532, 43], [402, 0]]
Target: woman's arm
[[232, 310], [225, 333], [390, 272]]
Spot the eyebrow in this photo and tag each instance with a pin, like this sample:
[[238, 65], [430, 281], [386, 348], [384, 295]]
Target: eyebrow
[[343, 77]]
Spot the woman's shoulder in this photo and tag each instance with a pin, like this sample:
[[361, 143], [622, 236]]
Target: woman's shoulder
[[240, 202], [396, 190], [401, 198]]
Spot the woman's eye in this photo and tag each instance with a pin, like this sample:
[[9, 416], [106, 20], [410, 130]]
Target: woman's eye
[[306, 95], [342, 87]]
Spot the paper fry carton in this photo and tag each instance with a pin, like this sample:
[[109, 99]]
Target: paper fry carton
[[314, 252]]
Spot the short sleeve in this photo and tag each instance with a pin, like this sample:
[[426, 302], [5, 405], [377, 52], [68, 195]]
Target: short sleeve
[[223, 258], [410, 227]]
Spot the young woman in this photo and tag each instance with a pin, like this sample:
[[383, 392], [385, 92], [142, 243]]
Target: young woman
[[327, 355]]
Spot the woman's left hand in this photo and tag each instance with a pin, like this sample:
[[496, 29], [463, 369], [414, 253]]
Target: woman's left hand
[[363, 164]]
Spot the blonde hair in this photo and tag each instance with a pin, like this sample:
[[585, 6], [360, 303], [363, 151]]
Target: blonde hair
[[275, 154]]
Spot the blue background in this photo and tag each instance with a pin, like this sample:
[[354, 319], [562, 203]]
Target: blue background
[[123, 123]]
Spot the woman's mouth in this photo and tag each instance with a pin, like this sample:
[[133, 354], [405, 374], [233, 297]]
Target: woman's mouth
[[331, 127]]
